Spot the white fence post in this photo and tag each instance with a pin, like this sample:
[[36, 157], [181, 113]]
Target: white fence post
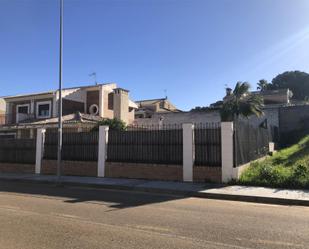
[[40, 139], [227, 131], [102, 150], [188, 151]]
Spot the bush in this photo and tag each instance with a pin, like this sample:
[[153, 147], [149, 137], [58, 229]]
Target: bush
[[289, 168], [299, 177], [276, 176], [114, 124]]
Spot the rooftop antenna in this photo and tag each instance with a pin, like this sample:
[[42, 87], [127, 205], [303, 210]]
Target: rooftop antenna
[[94, 75], [165, 93]]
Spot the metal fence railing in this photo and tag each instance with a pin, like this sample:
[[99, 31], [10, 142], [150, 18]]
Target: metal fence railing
[[17, 150], [13, 119], [77, 146], [146, 144], [207, 144], [250, 143]]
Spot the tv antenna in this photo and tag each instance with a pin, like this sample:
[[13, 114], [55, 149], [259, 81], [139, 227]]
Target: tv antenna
[[94, 75], [165, 93]]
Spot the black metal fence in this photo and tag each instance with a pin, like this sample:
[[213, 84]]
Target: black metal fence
[[146, 144], [250, 143], [77, 146], [208, 144], [17, 150]]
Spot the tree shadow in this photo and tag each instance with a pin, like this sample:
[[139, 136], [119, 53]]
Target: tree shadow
[[117, 199]]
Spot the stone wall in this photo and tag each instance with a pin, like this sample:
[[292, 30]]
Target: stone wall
[[17, 168], [144, 171], [161, 172], [118, 170], [71, 168], [180, 118], [271, 114], [207, 174], [293, 118]]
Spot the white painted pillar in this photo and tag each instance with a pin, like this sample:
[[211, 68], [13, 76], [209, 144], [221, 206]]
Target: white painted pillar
[[188, 151], [102, 150], [40, 138], [32, 110], [227, 131], [101, 102]]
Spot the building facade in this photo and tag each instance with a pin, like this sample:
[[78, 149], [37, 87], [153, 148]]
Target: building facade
[[148, 108], [102, 100]]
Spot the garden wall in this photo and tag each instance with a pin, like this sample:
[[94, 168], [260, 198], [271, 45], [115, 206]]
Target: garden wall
[[70, 168], [17, 168]]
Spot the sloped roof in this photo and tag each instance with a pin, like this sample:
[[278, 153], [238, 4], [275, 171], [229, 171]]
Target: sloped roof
[[71, 118], [132, 104], [53, 91], [149, 101]]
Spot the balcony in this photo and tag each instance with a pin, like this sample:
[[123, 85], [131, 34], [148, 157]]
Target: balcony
[[13, 119]]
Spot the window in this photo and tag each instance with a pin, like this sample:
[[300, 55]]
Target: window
[[24, 109], [110, 101], [43, 109], [22, 112]]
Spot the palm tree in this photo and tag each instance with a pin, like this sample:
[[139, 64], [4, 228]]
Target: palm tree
[[241, 103], [262, 85]]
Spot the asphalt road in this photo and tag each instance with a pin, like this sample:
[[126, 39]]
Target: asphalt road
[[43, 216]]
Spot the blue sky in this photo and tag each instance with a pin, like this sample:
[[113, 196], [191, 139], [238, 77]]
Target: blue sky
[[191, 48]]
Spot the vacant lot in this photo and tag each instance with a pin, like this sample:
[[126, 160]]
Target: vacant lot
[[289, 168]]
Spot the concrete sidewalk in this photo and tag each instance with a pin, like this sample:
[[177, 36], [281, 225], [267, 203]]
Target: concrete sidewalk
[[203, 190]]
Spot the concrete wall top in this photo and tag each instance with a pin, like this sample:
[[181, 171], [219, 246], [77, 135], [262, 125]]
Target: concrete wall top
[[180, 118]]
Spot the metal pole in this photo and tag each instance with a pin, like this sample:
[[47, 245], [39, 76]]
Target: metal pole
[[60, 99]]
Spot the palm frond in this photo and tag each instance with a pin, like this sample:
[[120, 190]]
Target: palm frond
[[241, 89], [242, 103]]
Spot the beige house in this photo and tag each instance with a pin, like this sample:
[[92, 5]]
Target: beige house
[[271, 98], [147, 108], [89, 103], [2, 106]]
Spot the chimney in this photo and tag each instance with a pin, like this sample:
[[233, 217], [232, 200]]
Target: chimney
[[121, 104], [228, 91]]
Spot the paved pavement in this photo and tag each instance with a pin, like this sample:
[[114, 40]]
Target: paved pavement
[[43, 216], [216, 191]]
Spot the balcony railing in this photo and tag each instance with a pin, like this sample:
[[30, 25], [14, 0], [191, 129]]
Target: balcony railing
[[12, 119]]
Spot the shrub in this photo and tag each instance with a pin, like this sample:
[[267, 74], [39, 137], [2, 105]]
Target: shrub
[[289, 168], [114, 124], [299, 177]]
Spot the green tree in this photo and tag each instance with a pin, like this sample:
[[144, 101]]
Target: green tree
[[262, 85], [296, 81], [241, 103], [199, 109], [114, 124]]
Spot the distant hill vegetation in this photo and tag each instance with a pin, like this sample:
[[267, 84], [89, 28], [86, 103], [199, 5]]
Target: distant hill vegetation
[[296, 81]]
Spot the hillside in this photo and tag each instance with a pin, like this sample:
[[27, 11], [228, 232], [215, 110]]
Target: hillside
[[288, 168]]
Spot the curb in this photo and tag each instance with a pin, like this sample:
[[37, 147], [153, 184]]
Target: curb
[[206, 195]]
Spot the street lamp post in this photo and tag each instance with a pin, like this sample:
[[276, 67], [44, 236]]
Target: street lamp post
[[60, 98]]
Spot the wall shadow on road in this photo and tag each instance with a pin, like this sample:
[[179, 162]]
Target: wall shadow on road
[[111, 198]]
